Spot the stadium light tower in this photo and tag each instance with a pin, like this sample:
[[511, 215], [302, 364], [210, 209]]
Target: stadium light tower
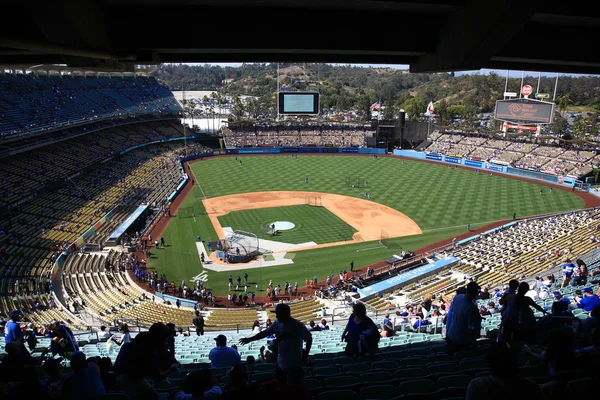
[[184, 118]]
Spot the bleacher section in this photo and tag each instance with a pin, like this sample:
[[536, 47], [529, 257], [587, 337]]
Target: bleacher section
[[26, 173], [527, 249], [262, 136], [517, 152], [37, 232], [30, 103]]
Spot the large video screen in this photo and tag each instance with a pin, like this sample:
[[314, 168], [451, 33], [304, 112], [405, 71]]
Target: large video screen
[[299, 103], [524, 111]]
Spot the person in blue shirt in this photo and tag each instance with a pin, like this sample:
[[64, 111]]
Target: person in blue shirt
[[223, 356], [13, 331], [568, 268], [589, 301], [559, 297]]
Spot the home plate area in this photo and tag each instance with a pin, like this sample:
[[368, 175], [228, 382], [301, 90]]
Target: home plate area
[[275, 250]]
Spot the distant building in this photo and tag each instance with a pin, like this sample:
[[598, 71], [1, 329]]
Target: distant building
[[228, 80]]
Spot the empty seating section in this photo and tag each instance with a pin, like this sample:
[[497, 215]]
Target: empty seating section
[[304, 311], [226, 319], [350, 136], [30, 103], [516, 152], [26, 173]]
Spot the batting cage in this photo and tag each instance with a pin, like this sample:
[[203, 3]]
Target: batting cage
[[356, 182], [314, 201], [238, 247]]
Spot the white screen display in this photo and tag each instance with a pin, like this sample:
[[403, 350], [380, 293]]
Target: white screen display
[[294, 103]]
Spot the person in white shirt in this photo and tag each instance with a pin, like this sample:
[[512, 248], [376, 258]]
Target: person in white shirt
[[104, 334], [256, 327], [290, 334]]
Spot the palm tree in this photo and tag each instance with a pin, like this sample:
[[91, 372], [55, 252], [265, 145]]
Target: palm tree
[[564, 101]]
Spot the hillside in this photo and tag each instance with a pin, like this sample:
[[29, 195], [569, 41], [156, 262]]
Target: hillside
[[346, 88]]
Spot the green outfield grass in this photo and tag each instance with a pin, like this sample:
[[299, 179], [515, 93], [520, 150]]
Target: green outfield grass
[[439, 199], [312, 224]]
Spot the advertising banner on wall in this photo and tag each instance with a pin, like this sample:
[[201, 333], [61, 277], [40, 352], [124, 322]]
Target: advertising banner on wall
[[452, 160], [497, 168], [433, 156], [471, 163]]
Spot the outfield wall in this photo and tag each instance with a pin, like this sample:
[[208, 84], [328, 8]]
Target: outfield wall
[[280, 150], [483, 165]]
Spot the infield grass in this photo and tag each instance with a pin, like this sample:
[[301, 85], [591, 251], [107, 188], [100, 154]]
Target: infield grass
[[439, 199], [311, 224]]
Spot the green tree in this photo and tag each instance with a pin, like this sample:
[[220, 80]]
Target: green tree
[[559, 125], [238, 108], [564, 101]]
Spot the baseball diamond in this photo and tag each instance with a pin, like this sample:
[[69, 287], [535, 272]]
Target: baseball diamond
[[412, 204]]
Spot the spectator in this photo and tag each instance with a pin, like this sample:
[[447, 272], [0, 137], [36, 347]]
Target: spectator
[[256, 327], [85, 382], [238, 387], [104, 334], [589, 301], [361, 334], [146, 356], [548, 322], [126, 338], [558, 354], [63, 341], [591, 323], [13, 330], [504, 382], [290, 334], [581, 273], [520, 322], [14, 362], [200, 384], [568, 269], [463, 322], [323, 325], [222, 356], [314, 327], [294, 388], [198, 322]]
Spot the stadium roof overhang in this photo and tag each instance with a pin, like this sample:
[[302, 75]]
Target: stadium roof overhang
[[429, 35]]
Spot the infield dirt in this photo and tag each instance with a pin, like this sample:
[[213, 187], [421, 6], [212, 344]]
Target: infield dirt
[[367, 217]]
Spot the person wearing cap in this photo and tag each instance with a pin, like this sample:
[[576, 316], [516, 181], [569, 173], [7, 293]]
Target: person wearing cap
[[589, 301], [463, 322], [559, 297], [290, 334], [223, 356], [13, 330]]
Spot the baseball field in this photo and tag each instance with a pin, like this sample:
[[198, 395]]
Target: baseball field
[[334, 210]]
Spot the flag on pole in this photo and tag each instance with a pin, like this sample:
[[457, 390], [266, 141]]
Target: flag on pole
[[430, 109]]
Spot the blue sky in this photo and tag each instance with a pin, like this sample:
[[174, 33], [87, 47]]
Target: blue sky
[[512, 74]]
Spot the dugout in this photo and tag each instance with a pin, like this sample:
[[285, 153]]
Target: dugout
[[135, 222]]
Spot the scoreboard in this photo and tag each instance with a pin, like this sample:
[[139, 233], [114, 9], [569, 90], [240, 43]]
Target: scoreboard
[[524, 111]]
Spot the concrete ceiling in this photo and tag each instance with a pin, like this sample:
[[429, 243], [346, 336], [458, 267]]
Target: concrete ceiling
[[429, 35]]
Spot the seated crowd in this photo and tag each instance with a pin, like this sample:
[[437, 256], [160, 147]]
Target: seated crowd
[[519, 152], [305, 136]]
